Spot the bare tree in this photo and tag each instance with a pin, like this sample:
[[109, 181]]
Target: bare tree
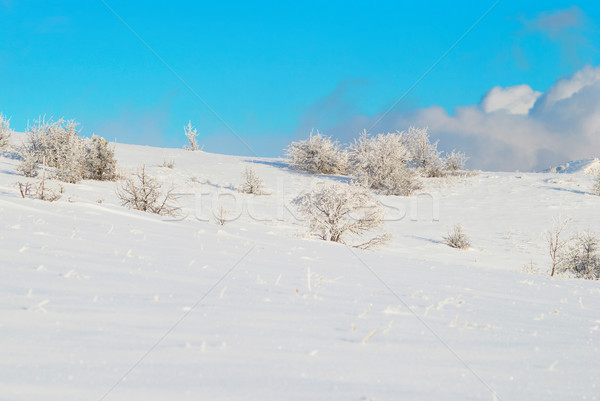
[[252, 182], [191, 134], [317, 155], [556, 245], [342, 213], [143, 192]]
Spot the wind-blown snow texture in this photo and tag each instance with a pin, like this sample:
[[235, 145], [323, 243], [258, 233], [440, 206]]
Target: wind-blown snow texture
[[189, 310]]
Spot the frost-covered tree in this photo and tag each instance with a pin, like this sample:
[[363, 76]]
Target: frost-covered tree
[[342, 213], [556, 242], [100, 163], [317, 155], [455, 162], [71, 158], [29, 164], [191, 134], [56, 145], [380, 163], [143, 192], [5, 132], [424, 155], [582, 257], [252, 183], [597, 184]]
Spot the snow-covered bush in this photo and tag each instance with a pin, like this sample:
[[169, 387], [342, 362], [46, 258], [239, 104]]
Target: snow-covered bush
[[191, 134], [72, 158], [168, 163], [597, 184], [581, 257], [143, 192], [29, 164], [556, 243], [39, 190], [252, 182], [380, 163], [5, 132], [457, 238], [317, 155], [424, 155], [221, 216], [100, 163], [342, 213], [455, 162]]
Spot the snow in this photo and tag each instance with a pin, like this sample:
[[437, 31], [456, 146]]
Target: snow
[[586, 166], [104, 303]]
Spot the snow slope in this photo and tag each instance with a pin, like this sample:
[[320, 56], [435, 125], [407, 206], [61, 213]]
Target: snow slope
[[103, 303], [586, 166]]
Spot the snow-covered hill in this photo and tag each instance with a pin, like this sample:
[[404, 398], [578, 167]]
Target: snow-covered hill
[[585, 166], [101, 302]]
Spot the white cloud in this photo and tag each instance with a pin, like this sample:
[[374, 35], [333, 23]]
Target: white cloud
[[517, 99], [511, 128], [568, 87]]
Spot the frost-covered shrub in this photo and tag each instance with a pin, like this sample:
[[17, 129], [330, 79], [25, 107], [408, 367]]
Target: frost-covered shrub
[[5, 132], [597, 184], [143, 192], [556, 242], [317, 155], [191, 134], [380, 163], [29, 164], [582, 257], [221, 216], [424, 155], [457, 238], [455, 162], [72, 158], [252, 182], [57, 145], [342, 213], [168, 163], [40, 190], [100, 163]]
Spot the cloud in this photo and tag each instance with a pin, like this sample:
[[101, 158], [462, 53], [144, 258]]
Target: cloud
[[568, 87], [569, 28], [557, 23], [511, 128], [517, 99]]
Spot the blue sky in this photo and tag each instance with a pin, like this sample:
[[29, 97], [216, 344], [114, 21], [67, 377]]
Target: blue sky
[[274, 70]]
